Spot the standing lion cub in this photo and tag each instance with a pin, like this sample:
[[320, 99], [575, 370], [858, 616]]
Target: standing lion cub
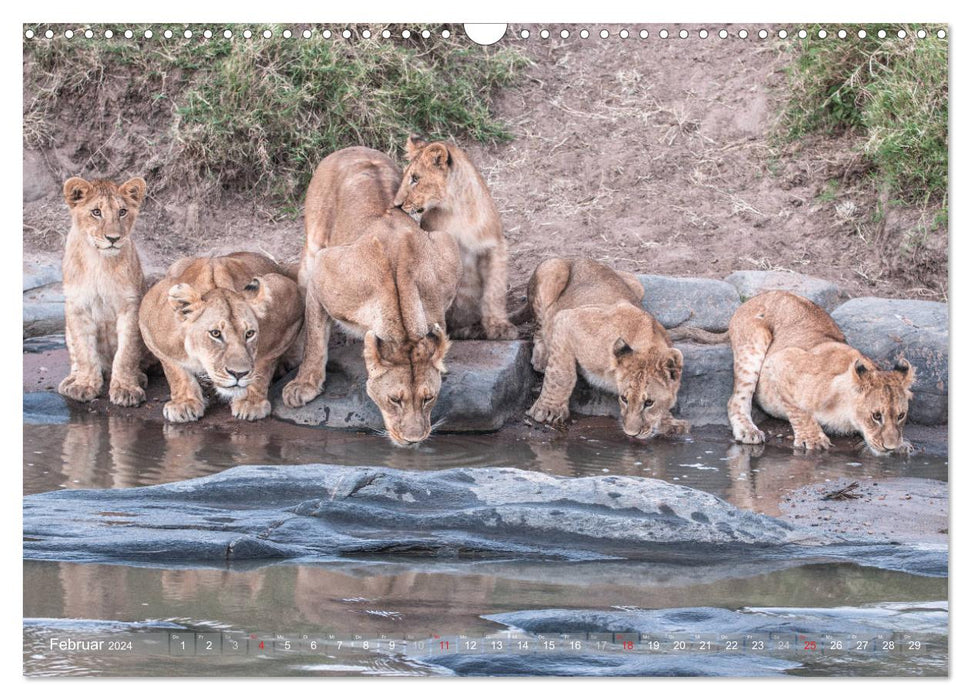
[[793, 358], [590, 315], [103, 285], [442, 185], [228, 319]]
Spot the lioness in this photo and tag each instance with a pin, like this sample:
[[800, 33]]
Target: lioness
[[442, 185], [228, 319], [369, 266], [794, 359], [103, 285], [590, 315]]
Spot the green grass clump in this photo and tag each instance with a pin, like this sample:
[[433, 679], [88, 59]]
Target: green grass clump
[[892, 92], [257, 115]]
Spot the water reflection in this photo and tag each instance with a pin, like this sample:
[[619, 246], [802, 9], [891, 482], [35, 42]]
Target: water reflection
[[118, 452]]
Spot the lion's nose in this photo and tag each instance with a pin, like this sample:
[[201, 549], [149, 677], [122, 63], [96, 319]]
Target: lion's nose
[[238, 375], [113, 239]]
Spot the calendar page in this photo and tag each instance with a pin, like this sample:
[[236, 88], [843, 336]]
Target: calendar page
[[485, 350]]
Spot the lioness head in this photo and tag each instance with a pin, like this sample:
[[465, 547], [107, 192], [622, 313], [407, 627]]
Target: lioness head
[[222, 331], [404, 380], [425, 181], [103, 211], [880, 403], [647, 386]]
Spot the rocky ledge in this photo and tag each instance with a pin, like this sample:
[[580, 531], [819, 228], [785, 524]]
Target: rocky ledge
[[324, 512]]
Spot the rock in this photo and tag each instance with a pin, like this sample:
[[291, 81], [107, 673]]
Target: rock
[[43, 318], [887, 329], [706, 385], [38, 181], [40, 275], [487, 383], [325, 511], [750, 283], [43, 407], [700, 302]]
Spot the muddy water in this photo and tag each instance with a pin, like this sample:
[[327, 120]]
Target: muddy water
[[425, 598]]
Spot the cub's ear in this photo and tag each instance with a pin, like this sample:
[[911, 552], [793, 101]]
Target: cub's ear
[[413, 146], [76, 190], [437, 156], [861, 373], [441, 346], [907, 370], [621, 348], [134, 189], [257, 293], [375, 353], [185, 301], [672, 362]]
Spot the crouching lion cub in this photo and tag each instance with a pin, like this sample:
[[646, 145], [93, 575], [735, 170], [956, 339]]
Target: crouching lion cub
[[368, 266], [590, 315], [103, 285], [228, 319], [443, 187], [794, 359]]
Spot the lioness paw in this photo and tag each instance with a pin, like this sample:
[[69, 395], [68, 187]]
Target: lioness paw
[[183, 411], [500, 330], [250, 409], [546, 413], [297, 393], [126, 395], [75, 388], [811, 442]]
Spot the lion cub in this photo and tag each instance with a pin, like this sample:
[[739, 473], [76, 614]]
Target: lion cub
[[590, 315], [103, 285], [368, 266], [794, 359], [228, 319], [442, 185]]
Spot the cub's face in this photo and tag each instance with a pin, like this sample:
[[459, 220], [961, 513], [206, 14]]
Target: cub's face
[[425, 180], [404, 380], [221, 332], [104, 212], [881, 401], [647, 385]]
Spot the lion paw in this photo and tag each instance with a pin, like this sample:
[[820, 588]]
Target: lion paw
[[297, 393], [183, 411], [126, 395], [748, 434], [546, 413], [250, 409], [676, 427], [539, 358], [500, 330], [817, 441], [75, 388]]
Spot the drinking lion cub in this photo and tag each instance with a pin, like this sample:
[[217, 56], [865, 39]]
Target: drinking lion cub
[[367, 265], [103, 285], [590, 315], [794, 359], [229, 319]]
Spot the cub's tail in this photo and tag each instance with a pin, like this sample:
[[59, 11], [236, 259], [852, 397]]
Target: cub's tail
[[696, 334]]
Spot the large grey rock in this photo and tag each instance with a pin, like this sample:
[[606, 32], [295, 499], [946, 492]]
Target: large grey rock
[[487, 383], [40, 275], [706, 385], [324, 511], [887, 329], [43, 318], [700, 302], [38, 180], [750, 283]]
